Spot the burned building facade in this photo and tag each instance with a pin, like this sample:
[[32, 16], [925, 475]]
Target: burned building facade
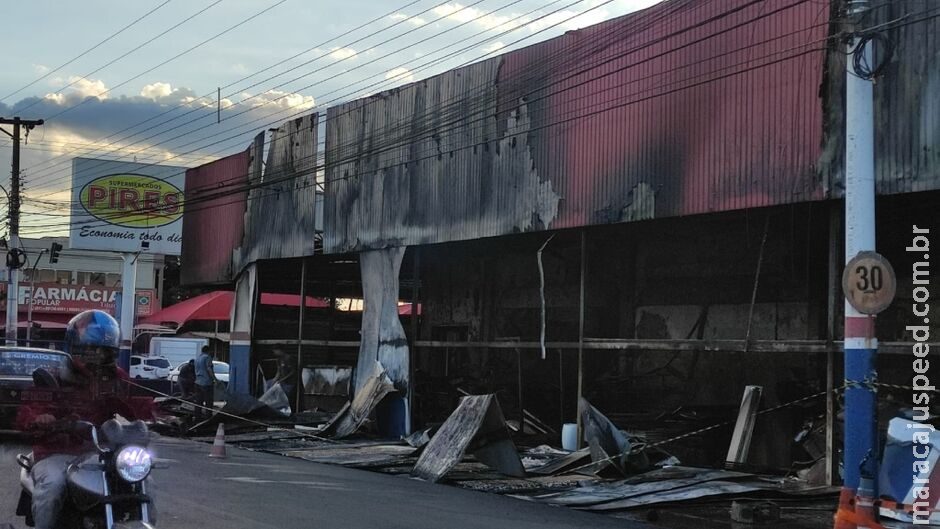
[[645, 212]]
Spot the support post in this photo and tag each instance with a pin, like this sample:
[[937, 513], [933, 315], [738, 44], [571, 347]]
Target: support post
[[13, 273], [32, 290], [861, 346], [128, 306], [835, 228], [413, 350], [581, 336], [299, 385]]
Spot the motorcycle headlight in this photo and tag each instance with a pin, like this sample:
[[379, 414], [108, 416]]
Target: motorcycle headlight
[[133, 463]]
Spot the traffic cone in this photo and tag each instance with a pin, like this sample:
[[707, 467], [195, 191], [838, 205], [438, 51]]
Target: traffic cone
[[218, 446]]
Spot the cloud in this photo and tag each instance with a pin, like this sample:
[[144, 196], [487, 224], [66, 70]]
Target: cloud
[[79, 88], [342, 53], [459, 13], [139, 127], [279, 99], [400, 74], [41, 69], [495, 46], [165, 94], [417, 21]]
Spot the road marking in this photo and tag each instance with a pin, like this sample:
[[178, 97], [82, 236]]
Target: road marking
[[312, 484]]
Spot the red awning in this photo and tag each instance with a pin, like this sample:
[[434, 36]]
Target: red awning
[[216, 306]]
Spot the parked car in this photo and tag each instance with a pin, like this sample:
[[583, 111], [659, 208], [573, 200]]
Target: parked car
[[220, 368], [149, 367], [16, 377]]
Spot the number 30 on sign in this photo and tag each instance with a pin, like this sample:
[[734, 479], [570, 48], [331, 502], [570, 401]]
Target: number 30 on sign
[[869, 283]]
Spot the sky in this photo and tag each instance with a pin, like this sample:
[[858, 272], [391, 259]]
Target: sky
[[138, 81]]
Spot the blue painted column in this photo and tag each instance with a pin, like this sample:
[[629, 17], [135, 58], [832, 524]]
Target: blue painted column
[[241, 322]]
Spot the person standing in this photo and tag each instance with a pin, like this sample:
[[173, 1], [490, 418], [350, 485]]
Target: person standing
[[187, 379], [205, 384]]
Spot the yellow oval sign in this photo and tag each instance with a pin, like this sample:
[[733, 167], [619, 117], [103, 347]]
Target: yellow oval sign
[[132, 200]]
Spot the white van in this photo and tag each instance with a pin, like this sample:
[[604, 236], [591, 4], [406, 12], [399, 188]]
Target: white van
[[177, 350]]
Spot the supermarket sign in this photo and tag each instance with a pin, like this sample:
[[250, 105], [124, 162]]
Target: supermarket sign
[[126, 207], [72, 299]]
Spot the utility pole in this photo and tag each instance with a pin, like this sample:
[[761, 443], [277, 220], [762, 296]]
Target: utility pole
[[32, 290], [861, 345], [13, 277]]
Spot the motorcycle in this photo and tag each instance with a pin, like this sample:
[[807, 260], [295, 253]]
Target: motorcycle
[[106, 487]]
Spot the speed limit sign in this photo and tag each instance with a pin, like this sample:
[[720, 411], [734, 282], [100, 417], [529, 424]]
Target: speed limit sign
[[869, 283]]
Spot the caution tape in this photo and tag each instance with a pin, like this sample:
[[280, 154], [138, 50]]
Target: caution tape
[[233, 416], [643, 446]]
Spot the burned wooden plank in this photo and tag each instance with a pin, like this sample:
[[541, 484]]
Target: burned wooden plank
[[478, 426], [744, 427]]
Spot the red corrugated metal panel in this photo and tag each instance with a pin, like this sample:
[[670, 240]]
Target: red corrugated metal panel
[[688, 107], [213, 228]]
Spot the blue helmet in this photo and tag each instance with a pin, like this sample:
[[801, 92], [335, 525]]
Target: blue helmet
[[93, 336]]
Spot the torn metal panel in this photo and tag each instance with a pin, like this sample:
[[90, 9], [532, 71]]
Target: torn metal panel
[[333, 381], [563, 463], [606, 442], [593, 127], [393, 181], [351, 417], [280, 218], [383, 337], [476, 425]]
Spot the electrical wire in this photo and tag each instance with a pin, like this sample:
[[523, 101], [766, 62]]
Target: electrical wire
[[738, 72], [138, 47], [302, 112], [321, 81], [86, 52], [249, 76]]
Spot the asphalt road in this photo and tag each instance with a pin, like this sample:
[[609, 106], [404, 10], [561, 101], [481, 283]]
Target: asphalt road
[[255, 490]]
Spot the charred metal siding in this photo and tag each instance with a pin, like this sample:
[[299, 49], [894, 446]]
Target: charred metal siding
[[688, 107], [280, 220], [212, 228], [907, 103]]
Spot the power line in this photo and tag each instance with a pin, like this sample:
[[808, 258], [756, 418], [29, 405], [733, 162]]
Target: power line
[[116, 59], [658, 95], [173, 58], [324, 43], [86, 52], [564, 119], [305, 75], [384, 81]]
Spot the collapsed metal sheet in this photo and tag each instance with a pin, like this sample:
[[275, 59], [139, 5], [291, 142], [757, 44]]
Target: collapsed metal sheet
[[563, 463], [476, 425], [368, 456], [351, 417], [713, 488], [623, 489], [608, 445]]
